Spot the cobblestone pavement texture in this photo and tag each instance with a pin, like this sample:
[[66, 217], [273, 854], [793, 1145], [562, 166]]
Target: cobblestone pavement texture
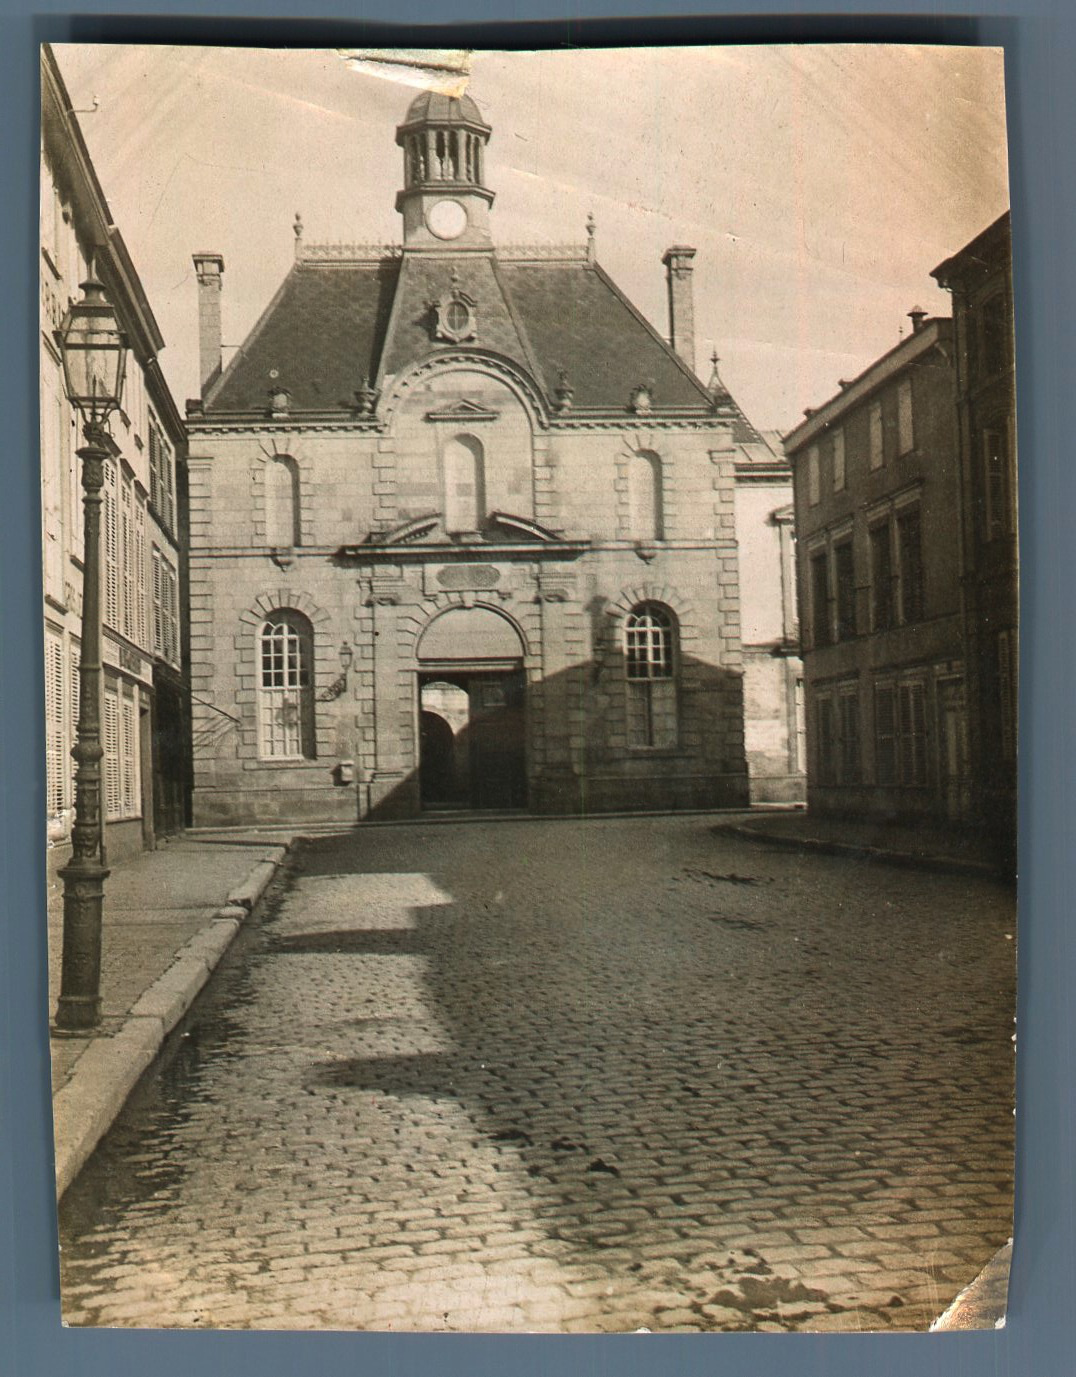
[[555, 1076]]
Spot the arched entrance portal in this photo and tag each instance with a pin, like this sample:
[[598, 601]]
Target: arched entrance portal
[[472, 712]]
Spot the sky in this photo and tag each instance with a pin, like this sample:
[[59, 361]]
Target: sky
[[819, 184]]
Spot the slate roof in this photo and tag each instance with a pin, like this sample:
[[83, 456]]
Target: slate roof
[[322, 333], [333, 323]]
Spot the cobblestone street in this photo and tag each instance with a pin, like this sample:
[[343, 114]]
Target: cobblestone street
[[557, 1076]]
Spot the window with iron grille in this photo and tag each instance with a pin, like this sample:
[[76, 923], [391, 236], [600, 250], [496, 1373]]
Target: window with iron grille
[[285, 694], [649, 636]]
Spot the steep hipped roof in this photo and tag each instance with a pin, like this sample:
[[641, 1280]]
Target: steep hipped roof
[[332, 324], [322, 335]]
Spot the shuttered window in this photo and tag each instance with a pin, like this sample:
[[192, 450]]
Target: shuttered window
[[885, 734], [139, 561], [165, 608], [111, 544], [55, 734], [129, 736], [113, 793], [162, 482], [913, 734], [127, 561], [121, 763]]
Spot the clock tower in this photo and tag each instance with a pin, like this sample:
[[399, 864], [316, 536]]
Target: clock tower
[[444, 202]]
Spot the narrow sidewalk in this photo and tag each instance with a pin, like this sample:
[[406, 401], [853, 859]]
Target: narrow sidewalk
[[169, 916], [927, 847]]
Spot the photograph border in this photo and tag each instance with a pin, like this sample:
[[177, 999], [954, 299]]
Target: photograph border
[[1038, 39]]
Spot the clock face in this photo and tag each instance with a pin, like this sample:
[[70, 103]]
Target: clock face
[[446, 219]]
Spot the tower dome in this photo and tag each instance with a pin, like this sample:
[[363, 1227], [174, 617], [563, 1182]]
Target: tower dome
[[444, 201], [436, 108]]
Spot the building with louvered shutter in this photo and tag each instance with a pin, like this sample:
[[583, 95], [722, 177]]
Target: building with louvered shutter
[[877, 494], [145, 709], [462, 527]]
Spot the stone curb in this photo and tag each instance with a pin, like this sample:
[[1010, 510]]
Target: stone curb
[[87, 1105], [946, 865]]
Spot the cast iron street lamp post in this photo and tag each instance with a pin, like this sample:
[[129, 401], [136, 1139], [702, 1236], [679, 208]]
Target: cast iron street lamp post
[[94, 352]]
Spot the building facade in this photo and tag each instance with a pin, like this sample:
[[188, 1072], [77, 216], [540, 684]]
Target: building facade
[[145, 694], [774, 696], [979, 277], [462, 528], [877, 495]]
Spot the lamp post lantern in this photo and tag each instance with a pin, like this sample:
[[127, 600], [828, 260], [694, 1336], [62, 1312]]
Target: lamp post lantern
[[94, 353]]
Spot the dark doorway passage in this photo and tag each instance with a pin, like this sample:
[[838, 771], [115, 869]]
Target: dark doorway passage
[[472, 728]]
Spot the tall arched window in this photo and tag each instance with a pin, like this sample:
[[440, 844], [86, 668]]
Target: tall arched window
[[286, 687], [647, 518], [650, 660], [465, 484], [282, 502]]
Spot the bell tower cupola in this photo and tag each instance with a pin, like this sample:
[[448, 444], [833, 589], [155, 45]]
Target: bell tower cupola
[[444, 202]]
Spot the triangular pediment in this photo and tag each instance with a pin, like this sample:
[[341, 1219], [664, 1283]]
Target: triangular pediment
[[463, 411]]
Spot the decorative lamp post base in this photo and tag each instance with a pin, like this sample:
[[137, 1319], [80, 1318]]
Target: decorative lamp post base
[[79, 1004]]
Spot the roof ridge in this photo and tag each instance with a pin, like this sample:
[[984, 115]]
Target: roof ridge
[[535, 368], [659, 339]]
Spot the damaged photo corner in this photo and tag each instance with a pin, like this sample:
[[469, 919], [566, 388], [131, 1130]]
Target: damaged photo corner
[[530, 595]]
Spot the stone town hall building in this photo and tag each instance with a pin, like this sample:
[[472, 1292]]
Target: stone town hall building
[[461, 528]]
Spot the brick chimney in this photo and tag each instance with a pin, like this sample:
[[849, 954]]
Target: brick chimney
[[209, 267], [679, 268]]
